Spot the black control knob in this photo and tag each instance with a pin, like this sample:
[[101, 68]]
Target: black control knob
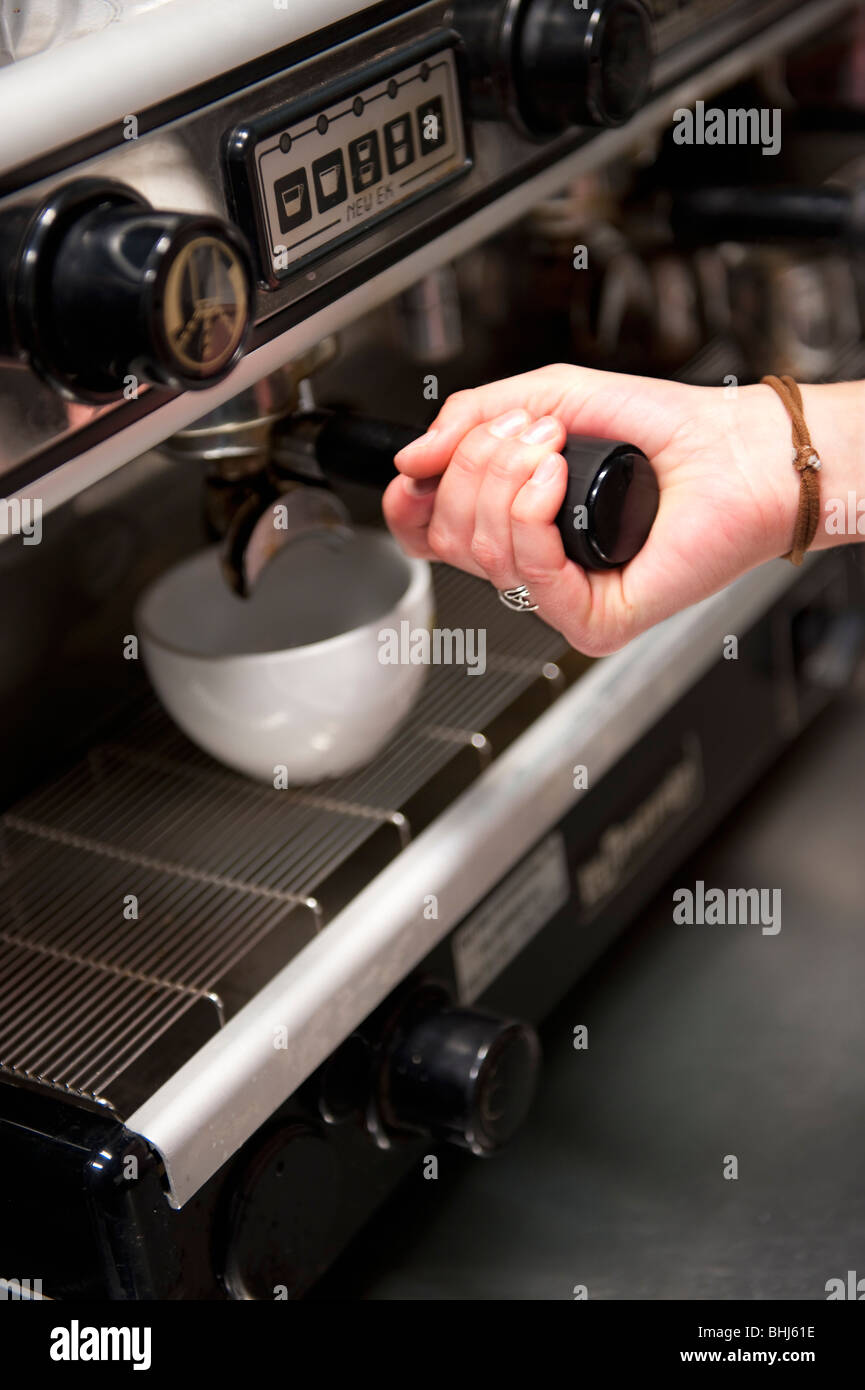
[[282, 1218], [109, 291], [581, 66], [551, 65], [461, 1075], [610, 505]]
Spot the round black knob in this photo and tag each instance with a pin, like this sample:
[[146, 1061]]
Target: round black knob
[[109, 292], [461, 1075], [610, 504], [581, 66], [282, 1218]]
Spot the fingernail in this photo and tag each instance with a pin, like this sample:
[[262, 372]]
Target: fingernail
[[418, 443], [547, 471], [541, 431], [508, 425], [421, 487]]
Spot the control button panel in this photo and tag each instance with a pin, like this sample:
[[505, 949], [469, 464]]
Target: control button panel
[[305, 180]]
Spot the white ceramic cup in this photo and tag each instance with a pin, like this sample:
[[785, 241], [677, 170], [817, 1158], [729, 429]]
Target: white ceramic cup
[[292, 677]]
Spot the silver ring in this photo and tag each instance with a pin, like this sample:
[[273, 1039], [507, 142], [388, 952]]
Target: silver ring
[[519, 600]]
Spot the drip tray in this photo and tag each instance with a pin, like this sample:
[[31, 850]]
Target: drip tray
[[149, 893]]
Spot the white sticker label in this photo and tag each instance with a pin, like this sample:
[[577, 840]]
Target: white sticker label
[[496, 932]]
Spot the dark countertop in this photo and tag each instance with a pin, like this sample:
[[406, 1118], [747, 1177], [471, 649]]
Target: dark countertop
[[703, 1042]]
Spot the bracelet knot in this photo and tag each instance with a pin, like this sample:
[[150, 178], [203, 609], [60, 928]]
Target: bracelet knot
[[805, 457], [807, 463]]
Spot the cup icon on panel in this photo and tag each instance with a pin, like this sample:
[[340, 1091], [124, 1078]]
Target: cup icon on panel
[[399, 144], [365, 161], [330, 180], [293, 203], [328, 175]]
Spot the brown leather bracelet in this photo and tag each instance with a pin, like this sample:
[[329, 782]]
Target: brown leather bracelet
[[807, 463]]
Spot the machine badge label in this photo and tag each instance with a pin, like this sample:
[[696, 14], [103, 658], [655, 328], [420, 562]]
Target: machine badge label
[[495, 933], [625, 845]]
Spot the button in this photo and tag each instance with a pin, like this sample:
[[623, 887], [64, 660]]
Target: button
[[292, 200], [328, 176], [432, 131], [399, 144], [458, 1074], [365, 160], [593, 70], [285, 1216]]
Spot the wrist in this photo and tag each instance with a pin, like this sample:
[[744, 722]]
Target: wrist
[[835, 416]]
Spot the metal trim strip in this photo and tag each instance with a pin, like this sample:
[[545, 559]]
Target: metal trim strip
[[137, 64]]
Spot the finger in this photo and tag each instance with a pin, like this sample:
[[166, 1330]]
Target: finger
[[408, 513], [560, 588], [453, 522], [508, 470], [538, 392], [641, 410]]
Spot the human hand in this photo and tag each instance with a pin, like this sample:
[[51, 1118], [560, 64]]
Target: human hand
[[483, 488]]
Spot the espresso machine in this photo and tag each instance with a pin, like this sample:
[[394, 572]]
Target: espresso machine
[[233, 1019]]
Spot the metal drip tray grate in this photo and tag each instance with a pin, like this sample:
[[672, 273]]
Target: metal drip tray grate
[[149, 893]]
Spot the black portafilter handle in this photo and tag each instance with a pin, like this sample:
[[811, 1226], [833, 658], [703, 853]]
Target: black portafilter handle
[[608, 511], [710, 215]]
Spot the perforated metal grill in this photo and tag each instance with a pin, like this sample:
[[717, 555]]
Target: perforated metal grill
[[149, 892]]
